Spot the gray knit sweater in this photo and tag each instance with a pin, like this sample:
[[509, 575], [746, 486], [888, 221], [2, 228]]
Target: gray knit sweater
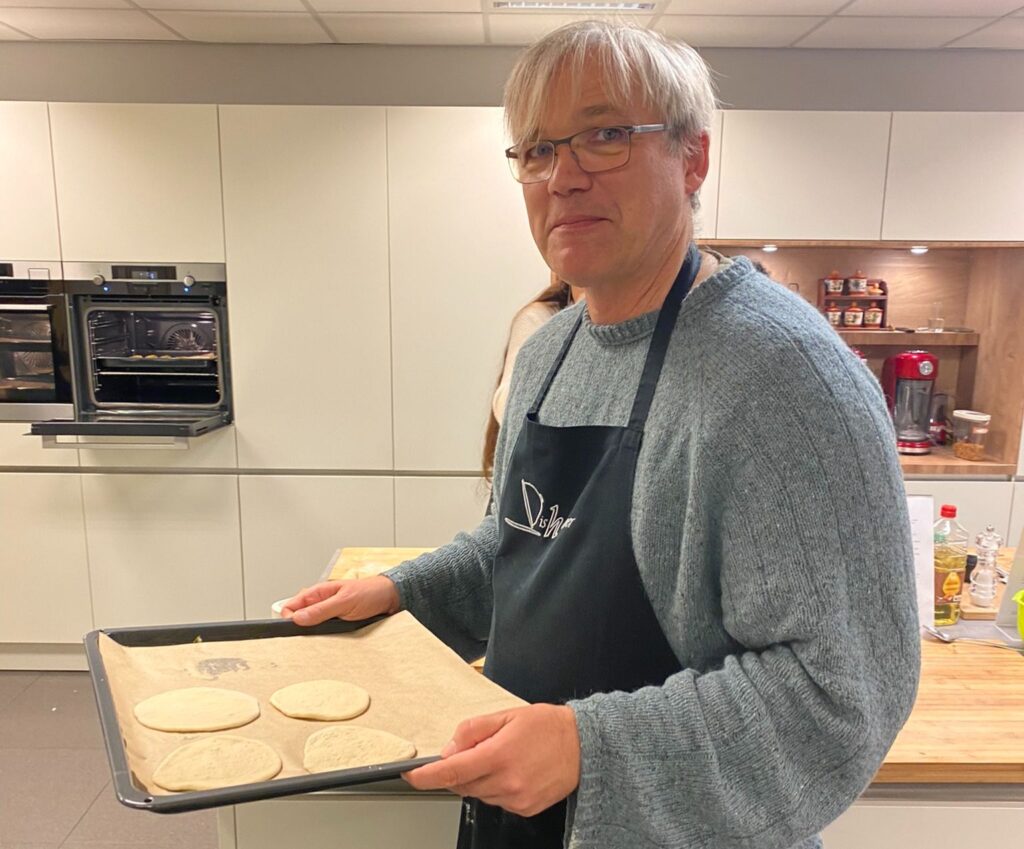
[[771, 533]]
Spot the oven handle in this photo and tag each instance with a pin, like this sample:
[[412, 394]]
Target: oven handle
[[25, 307], [172, 443]]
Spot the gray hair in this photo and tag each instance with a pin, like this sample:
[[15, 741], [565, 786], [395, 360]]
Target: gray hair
[[670, 76]]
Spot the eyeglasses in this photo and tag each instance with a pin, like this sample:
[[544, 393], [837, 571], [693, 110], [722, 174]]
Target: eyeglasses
[[595, 150]]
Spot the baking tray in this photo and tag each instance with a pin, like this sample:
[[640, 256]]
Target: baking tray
[[135, 796]]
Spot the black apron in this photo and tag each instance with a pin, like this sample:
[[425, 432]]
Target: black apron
[[571, 616]]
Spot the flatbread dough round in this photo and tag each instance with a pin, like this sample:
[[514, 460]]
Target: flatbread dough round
[[325, 699], [221, 761], [197, 709], [348, 746]]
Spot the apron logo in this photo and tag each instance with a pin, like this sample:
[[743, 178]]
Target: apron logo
[[538, 524]]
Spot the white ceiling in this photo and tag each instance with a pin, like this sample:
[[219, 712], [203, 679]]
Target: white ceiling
[[863, 24]]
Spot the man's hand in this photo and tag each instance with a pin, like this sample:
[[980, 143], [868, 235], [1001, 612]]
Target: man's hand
[[523, 760], [361, 599]]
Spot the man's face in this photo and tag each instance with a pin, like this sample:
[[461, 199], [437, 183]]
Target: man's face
[[599, 230]]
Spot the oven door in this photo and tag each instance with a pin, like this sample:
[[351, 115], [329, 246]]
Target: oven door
[[35, 373], [181, 424]]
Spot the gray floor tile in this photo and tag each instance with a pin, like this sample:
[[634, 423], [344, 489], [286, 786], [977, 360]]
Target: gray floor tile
[[45, 792], [55, 711], [107, 818], [13, 683]]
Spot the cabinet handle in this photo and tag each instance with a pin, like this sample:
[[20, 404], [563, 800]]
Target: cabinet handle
[[173, 443]]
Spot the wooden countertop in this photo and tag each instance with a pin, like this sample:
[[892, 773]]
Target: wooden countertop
[[967, 726]]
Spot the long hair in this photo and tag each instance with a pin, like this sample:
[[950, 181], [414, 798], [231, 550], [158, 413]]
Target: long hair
[[559, 295]]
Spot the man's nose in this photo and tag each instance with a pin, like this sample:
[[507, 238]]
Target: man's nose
[[566, 174]]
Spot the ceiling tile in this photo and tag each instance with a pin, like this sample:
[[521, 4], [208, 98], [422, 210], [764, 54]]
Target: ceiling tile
[[8, 34], [247, 27], [406, 29], [753, 7], [86, 24], [931, 8], [889, 33], [518, 28], [472, 6], [67, 4], [1007, 34], [735, 31], [223, 5]]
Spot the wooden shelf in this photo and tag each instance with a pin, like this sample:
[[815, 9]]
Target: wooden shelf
[[942, 461], [883, 336]]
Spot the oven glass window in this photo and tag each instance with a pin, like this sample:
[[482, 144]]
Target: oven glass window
[[26, 356], [154, 357]]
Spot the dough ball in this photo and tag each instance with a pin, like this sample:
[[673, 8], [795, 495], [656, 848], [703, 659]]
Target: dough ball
[[348, 746], [220, 761], [325, 699], [197, 709]]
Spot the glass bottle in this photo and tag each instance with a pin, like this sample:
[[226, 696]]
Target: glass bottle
[[984, 576], [950, 564]]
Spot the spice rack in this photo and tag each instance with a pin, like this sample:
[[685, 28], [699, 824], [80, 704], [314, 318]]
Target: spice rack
[[843, 300]]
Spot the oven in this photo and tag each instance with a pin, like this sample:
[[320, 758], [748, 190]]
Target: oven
[[35, 368], [149, 350]]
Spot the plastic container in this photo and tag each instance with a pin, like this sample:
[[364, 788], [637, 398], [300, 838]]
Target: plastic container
[[970, 430], [853, 317], [950, 565], [1019, 598]]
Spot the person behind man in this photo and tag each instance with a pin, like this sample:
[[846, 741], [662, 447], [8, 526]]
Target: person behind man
[[699, 569]]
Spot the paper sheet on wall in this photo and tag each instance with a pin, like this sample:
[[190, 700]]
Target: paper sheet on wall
[[922, 509]]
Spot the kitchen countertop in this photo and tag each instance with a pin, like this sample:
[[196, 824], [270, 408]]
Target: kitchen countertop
[[967, 726]]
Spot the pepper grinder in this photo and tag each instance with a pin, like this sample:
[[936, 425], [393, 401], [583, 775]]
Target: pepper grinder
[[984, 576]]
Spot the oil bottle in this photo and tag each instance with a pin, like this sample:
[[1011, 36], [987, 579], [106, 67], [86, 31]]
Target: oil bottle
[[950, 564]]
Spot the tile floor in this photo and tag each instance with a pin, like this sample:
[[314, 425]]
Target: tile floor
[[55, 790]]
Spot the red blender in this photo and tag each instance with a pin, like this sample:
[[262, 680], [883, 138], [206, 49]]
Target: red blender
[[908, 379]]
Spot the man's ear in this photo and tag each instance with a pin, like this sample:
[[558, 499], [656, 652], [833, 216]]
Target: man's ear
[[696, 165]]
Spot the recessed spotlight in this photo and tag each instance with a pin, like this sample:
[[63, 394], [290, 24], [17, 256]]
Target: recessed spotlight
[[919, 249], [770, 249], [570, 6]]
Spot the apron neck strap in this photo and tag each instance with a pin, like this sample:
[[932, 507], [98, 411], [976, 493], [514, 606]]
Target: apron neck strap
[[655, 353]]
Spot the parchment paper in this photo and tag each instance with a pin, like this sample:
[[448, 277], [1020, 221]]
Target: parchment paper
[[419, 688]]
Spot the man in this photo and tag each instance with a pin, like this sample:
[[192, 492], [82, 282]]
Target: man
[[699, 568]]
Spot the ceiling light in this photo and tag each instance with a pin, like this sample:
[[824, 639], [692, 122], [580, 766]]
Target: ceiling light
[[770, 249], [919, 249], [571, 6]]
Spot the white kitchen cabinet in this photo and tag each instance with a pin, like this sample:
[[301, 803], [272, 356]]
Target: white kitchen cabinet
[[44, 574], [462, 263], [978, 503], [706, 223], [28, 214], [305, 198], [18, 449], [138, 182], [430, 511], [163, 548], [955, 176], [291, 525], [215, 450], [802, 175], [336, 821], [1016, 536]]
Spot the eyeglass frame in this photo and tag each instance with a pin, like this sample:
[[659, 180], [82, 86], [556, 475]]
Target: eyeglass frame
[[632, 129]]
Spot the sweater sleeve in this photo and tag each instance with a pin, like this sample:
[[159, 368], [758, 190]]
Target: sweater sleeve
[[779, 737]]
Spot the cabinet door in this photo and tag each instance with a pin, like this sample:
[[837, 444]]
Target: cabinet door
[[163, 548], [28, 214], [17, 448], [955, 176], [978, 503], [305, 195], [431, 511], [802, 175], [44, 575], [706, 223], [291, 525], [462, 263], [138, 182], [214, 450], [1016, 535]]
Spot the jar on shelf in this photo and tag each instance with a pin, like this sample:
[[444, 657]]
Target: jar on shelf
[[875, 289], [970, 430], [853, 316], [834, 284], [873, 316], [834, 315], [857, 284]]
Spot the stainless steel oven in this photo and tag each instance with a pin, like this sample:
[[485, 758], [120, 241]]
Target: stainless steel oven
[[150, 350], [35, 368]]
